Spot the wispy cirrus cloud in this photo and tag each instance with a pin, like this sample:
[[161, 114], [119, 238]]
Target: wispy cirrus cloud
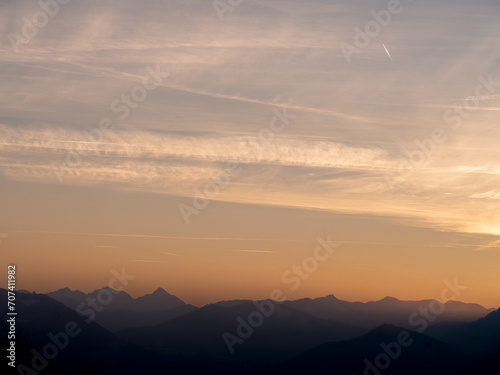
[[355, 122]]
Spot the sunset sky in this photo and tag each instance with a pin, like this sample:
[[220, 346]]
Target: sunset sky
[[347, 163]]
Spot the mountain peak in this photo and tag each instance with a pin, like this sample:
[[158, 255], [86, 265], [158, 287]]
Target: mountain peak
[[160, 299], [160, 291], [389, 299], [331, 297]]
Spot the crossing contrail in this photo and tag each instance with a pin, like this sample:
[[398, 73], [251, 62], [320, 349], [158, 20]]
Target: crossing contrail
[[386, 50]]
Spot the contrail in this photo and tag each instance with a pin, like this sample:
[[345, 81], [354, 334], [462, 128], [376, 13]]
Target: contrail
[[155, 236], [386, 50], [92, 143], [255, 251]]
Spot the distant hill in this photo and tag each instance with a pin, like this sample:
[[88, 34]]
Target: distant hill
[[159, 300], [480, 339], [286, 332], [39, 315], [385, 311], [161, 307], [125, 311], [287, 340], [116, 320], [94, 350], [68, 297], [441, 330], [365, 355]]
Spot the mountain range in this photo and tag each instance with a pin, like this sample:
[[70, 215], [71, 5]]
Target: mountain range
[[124, 311], [322, 335], [388, 310], [160, 307]]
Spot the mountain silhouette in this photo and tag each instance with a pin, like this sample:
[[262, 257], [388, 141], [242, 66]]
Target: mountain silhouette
[[38, 316], [159, 300], [480, 339], [286, 332], [68, 297], [244, 336], [388, 310], [385, 350], [90, 350], [124, 311]]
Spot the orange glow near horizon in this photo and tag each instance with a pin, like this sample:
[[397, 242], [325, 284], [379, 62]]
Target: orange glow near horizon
[[207, 157], [205, 270]]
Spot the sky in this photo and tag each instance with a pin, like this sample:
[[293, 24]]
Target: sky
[[204, 146]]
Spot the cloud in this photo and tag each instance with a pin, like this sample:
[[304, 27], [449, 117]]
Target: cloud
[[489, 246], [354, 122], [254, 251]]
